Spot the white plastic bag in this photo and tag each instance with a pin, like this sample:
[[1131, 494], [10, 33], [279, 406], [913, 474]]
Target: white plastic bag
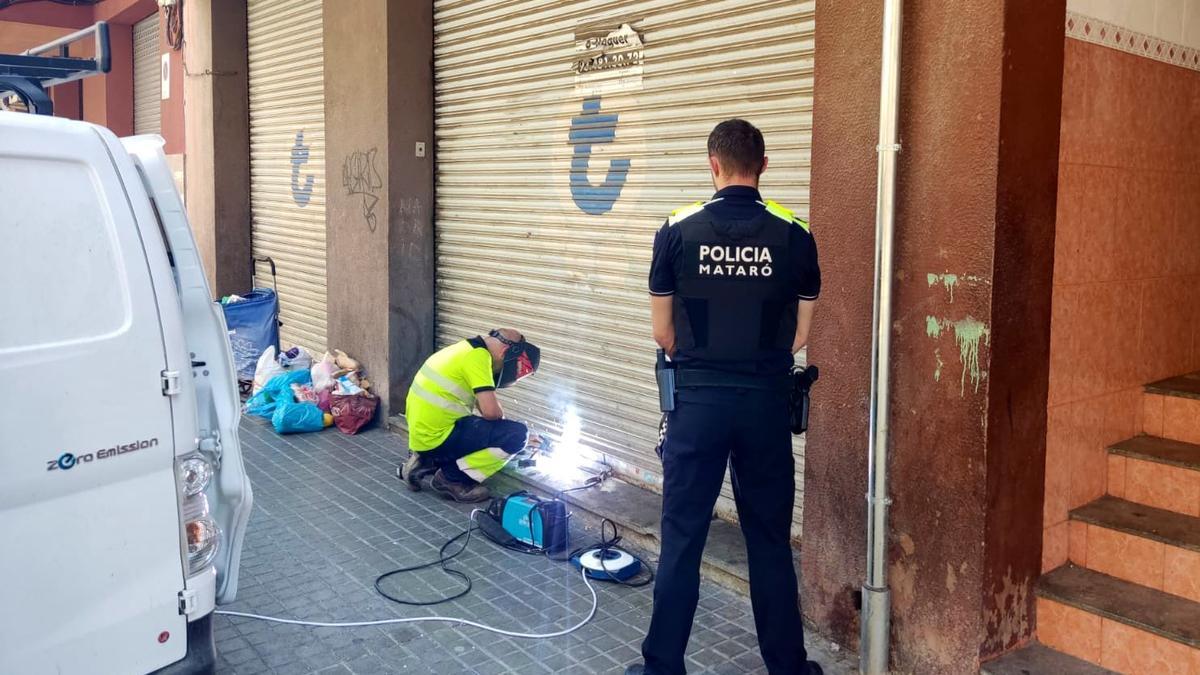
[[296, 358], [323, 373], [267, 368]]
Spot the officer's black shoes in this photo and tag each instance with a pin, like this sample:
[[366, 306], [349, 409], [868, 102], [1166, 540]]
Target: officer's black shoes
[[460, 492], [415, 470], [814, 668], [635, 669]]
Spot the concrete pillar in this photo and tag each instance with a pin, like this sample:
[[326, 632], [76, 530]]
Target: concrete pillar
[[980, 97], [378, 106], [217, 132]]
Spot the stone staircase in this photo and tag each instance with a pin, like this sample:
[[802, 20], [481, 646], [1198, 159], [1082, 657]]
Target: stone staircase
[[1128, 601]]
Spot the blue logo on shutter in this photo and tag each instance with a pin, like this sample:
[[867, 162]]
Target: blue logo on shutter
[[299, 158], [589, 129]]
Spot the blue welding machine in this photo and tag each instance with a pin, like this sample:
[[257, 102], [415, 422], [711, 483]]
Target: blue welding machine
[[535, 522]]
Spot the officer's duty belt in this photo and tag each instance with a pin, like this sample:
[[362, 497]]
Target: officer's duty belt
[[685, 378]]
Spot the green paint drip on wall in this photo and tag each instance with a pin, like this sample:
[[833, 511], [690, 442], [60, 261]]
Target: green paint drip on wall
[[947, 280], [968, 333], [933, 327]]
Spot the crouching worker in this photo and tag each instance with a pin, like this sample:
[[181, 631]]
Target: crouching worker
[[446, 439]]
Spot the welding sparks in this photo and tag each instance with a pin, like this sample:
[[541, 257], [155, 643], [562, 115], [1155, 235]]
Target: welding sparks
[[563, 460]]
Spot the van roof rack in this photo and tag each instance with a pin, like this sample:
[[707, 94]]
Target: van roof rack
[[25, 77]]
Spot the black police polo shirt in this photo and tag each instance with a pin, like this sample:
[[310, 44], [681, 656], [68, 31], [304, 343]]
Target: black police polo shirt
[[737, 204]]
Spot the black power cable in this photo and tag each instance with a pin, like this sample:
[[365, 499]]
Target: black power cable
[[174, 23], [442, 561], [605, 545], [608, 544]]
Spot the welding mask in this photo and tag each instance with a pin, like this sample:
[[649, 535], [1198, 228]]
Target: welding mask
[[521, 359]]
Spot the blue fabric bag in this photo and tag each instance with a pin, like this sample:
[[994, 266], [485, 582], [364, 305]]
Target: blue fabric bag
[[253, 325]]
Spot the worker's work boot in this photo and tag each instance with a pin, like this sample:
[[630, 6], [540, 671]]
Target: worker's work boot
[[466, 493], [415, 470]]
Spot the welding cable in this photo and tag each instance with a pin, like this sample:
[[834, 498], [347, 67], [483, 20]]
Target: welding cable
[[591, 482], [418, 619], [442, 559], [610, 543]]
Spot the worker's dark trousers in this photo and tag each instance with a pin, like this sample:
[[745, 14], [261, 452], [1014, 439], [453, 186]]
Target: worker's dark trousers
[[472, 434], [747, 429]]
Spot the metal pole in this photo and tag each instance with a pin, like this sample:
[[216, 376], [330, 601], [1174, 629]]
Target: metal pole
[[874, 648]]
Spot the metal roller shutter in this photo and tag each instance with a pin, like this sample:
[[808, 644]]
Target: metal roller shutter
[[287, 160], [147, 88], [551, 184]]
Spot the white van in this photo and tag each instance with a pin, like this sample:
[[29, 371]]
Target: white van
[[123, 497]]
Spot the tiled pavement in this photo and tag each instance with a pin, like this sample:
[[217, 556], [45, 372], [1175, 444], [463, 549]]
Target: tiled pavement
[[329, 516]]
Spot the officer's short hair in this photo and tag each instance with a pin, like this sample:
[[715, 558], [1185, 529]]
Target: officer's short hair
[[739, 146]]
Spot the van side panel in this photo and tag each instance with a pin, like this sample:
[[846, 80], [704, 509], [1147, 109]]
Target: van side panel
[[89, 519]]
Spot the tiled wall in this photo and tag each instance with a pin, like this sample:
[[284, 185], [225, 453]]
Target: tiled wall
[[1127, 260], [1175, 20]]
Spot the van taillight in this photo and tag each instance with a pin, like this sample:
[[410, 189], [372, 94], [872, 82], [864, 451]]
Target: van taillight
[[201, 535]]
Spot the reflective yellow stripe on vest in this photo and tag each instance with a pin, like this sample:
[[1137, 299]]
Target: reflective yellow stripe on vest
[[435, 400], [482, 464], [465, 397]]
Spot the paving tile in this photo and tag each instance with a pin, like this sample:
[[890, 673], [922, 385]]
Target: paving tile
[[329, 516]]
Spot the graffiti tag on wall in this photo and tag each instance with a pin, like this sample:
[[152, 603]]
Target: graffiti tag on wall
[[360, 177]]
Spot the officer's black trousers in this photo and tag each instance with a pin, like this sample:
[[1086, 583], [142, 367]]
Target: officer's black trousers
[[747, 429]]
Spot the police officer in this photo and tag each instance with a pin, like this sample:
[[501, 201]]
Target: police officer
[[732, 282], [449, 444]]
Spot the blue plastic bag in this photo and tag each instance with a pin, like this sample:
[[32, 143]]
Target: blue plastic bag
[[253, 324], [261, 404], [297, 418], [277, 390]]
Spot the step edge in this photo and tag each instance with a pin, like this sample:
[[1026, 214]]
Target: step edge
[[1042, 592], [1040, 652], [1120, 449], [1081, 515], [1163, 388]]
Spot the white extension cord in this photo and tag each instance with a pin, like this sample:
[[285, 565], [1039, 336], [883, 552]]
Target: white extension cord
[[441, 619]]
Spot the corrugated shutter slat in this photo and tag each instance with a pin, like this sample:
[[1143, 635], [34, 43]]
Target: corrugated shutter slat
[[147, 77], [287, 98], [514, 248]]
